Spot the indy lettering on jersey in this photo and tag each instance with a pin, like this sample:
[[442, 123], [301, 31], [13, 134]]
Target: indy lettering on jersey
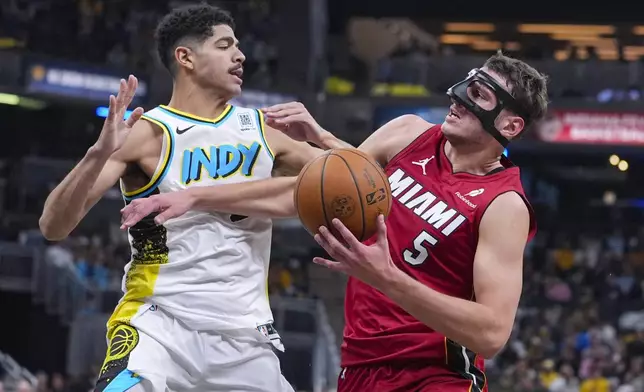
[[219, 161], [427, 207]]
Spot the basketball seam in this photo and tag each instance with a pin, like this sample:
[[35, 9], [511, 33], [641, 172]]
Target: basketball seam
[[326, 219], [384, 179], [355, 182]]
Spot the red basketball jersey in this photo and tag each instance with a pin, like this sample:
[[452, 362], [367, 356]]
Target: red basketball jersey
[[433, 233]]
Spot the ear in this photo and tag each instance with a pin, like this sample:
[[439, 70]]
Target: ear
[[511, 126], [185, 57]]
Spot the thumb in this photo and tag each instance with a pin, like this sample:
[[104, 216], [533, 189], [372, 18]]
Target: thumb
[[382, 230]]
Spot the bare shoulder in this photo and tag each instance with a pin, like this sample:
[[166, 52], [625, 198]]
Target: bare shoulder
[[143, 140], [394, 136], [508, 212]]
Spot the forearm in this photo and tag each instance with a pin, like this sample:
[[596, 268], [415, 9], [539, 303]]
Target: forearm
[[468, 323], [66, 205], [327, 141], [271, 198]]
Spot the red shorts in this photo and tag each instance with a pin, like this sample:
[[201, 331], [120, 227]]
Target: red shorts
[[403, 379]]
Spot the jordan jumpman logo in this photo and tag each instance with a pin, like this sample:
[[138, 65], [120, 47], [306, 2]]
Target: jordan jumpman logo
[[422, 163]]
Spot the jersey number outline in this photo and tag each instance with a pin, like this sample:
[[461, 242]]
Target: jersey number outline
[[420, 253]]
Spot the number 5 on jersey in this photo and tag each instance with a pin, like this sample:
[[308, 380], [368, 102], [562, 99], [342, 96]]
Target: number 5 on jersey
[[420, 253]]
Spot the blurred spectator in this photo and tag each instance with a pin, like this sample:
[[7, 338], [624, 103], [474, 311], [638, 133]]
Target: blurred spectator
[[42, 382], [565, 380], [24, 386], [58, 383]]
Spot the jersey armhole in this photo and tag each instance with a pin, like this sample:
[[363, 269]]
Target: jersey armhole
[[262, 133], [414, 143], [167, 150], [532, 228]]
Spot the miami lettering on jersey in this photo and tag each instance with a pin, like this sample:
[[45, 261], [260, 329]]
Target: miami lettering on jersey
[[219, 161], [427, 207]]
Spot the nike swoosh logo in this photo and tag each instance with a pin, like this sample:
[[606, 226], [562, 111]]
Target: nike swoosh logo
[[184, 130]]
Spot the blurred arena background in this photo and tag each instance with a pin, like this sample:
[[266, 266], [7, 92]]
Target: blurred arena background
[[580, 325]]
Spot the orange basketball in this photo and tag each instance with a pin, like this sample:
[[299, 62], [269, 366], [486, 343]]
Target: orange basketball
[[345, 184]]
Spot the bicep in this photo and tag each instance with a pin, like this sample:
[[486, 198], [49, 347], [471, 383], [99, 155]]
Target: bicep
[[498, 263]]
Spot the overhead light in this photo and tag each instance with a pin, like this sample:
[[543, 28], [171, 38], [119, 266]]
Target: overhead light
[[9, 99], [486, 45], [609, 198], [622, 165], [469, 27], [23, 102], [565, 29], [460, 39], [614, 160]]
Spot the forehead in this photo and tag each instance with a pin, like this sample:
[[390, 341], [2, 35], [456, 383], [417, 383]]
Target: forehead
[[222, 31], [500, 80]]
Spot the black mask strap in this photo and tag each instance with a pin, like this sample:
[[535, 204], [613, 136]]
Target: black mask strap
[[459, 93]]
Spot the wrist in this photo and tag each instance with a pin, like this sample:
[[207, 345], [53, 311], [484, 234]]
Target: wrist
[[98, 152], [194, 197], [325, 139], [393, 280]]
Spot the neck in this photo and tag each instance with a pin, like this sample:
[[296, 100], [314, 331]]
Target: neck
[[192, 99], [472, 159]]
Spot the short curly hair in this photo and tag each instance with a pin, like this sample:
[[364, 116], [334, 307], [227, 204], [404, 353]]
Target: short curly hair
[[191, 22], [527, 85]]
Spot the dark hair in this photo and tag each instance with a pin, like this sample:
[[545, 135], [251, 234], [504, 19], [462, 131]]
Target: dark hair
[[191, 22], [527, 85]]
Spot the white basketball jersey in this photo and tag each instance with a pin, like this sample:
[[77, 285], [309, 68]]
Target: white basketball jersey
[[208, 269]]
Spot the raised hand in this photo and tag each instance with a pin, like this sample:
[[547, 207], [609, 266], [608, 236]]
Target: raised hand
[[294, 120], [116, 128]]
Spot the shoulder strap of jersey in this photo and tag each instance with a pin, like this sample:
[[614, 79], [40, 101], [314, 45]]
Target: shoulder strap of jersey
[[252, 120], [421, 140]]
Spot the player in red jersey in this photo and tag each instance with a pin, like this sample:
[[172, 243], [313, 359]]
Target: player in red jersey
[[436, 291]]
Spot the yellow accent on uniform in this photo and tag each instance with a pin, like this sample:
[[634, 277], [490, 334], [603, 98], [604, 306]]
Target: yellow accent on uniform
[[163, 162], [262, 129], [223, 114]]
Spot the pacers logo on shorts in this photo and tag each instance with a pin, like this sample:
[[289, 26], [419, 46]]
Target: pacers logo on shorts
[[124, 339]]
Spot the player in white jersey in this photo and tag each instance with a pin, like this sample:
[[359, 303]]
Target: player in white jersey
[[195, 313]]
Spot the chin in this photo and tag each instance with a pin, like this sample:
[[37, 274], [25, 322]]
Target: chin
[[234, 90]]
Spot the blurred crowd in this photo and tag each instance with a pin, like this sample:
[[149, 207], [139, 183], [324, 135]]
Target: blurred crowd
[[55, 382], [120, 33], [580, 326]]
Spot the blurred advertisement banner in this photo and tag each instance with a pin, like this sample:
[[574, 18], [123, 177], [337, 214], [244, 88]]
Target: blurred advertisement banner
[[46, 77], [588, 127]]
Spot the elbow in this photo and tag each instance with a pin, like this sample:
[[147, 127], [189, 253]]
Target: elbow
[[49, 230], [492, 343]]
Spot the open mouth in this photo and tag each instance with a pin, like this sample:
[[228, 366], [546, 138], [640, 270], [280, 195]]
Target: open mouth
[[237, 71], [452, 113]]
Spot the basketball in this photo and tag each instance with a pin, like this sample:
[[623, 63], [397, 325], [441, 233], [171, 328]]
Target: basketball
[[345, 184]]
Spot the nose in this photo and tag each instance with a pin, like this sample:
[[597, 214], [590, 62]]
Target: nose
[[239, 57]]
